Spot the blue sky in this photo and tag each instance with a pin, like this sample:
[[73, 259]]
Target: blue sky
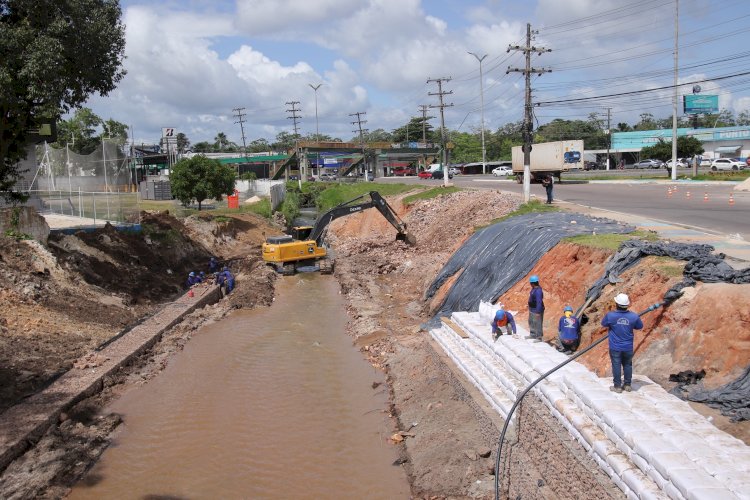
[[190, 63]]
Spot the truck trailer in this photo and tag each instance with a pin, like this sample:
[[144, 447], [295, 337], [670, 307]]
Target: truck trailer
[[549, 158]]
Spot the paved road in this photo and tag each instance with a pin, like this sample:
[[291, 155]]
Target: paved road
[[644, 199]]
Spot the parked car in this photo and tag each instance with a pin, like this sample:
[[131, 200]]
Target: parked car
[[681, 163], [726, 164], [425, 174], [593, 165], [647, 164], [502, 171], [454, 171], [326, 176], [404, 171]]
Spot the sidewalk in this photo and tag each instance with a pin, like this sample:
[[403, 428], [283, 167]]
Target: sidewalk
[[737, 250]]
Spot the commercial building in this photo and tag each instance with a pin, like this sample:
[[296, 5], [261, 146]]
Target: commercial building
[[722, 142]]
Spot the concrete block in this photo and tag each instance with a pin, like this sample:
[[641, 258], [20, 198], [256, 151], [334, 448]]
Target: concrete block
[[629, 429], [647, 446], [711, 494], [651, 472], [672, 492], [636, 481], [619, 462]]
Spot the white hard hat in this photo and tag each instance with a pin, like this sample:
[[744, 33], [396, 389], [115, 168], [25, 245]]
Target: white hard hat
[[622, 300]]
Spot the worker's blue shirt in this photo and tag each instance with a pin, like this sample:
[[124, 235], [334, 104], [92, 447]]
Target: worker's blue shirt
[[569, 328], [621, 325], [193, 280], [500, 321], [536, 300]]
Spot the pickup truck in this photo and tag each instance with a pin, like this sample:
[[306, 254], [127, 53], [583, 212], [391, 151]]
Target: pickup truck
[[404, 171]]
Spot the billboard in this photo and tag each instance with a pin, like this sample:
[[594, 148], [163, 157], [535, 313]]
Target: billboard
[[696, 104]]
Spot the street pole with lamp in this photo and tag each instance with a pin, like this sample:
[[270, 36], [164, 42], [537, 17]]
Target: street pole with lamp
[[317, 130], [481, 94]]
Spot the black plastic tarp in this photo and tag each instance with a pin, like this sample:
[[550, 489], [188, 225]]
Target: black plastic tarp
[[732, 399], [496, 257], [701, 265]]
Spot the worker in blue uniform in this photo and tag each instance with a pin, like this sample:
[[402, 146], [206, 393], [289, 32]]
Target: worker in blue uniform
[[568, 331], [502, 320], [536, 309], [621, 323]]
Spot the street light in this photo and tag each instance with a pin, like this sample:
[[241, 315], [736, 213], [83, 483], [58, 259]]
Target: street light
[[481, 93], [317, 131]]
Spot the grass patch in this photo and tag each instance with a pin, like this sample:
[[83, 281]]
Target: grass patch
[[262, 208], [533, 206], [221, 219], [609, 241], [739, 175], [340, 193], [430, 193], [670, 267]]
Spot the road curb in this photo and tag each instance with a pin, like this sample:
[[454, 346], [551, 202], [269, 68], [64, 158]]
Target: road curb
[[22, 425]]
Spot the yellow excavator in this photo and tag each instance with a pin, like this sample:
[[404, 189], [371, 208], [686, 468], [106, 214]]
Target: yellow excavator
[[306, 245]]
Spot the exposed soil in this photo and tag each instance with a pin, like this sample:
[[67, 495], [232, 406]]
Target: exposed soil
[[66, 299]]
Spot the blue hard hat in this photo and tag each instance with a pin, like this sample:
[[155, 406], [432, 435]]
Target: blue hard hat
[[499, 314], [202, 273], [534, 279], [191, 273], [225, 268], [568, 308], [213, 259]]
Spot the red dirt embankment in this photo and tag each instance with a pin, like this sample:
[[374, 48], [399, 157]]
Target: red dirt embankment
[[708, 328]]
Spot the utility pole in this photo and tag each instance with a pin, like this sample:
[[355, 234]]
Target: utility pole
[[241, 120], [317, 130], [440, 93], [361, 131], [295, 117], [528, 123], [423, 108], [609, 134], [481, 94], [674, 97]]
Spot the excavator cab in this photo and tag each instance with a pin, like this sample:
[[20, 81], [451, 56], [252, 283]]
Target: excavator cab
[[301, 232]]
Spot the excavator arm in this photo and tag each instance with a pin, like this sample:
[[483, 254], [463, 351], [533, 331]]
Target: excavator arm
[[348, 208]]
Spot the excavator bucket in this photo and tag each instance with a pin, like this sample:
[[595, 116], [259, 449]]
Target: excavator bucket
[[407, 238]]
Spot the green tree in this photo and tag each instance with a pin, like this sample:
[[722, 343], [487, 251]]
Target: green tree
[[500, 143], [53, 56], [80, 132], [377, 135], [221, 141], [115, 131], [203, 147], [467, 147], [743, 118], [199, 178], [183, 143], [258, 146], [284, 141], [687, 147], [724, 118], [412, 131], [647, 122]]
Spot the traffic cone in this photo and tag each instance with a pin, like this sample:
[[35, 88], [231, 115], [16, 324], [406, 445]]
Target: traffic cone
[[705, 196], [687, 195], [731, 200], [669, 192], [191, 293]]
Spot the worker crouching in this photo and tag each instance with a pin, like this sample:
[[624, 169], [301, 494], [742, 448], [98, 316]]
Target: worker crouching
[[568, 332], [502, 320]]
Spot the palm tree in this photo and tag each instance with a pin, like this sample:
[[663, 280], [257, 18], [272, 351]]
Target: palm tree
[[221, 141]]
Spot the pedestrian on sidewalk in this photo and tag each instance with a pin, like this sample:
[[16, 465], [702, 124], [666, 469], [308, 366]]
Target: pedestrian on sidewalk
[[536, 309], [621, 323], [503, 319], [568, 332], [548, 182]]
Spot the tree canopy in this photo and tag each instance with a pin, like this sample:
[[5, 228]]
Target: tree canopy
[[687, 147], [53, 56], [199, 178]]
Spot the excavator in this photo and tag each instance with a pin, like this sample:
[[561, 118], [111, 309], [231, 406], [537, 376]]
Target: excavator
[[306, 245]]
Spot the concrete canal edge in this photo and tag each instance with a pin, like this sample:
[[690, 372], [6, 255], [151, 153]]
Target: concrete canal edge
[[22, 425]]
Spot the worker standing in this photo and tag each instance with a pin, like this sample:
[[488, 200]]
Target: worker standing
[[536, 309], [502, 319], [549, 183], [621, 323], [213, 266], [228, 279], [568, 332]]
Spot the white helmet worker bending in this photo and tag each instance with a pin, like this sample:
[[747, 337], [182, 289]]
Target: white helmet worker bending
[[622, 300]]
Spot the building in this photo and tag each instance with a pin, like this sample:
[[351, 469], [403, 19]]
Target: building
[[722, 142]]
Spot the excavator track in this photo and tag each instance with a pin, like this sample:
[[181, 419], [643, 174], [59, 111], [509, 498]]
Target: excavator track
[[326, 266]]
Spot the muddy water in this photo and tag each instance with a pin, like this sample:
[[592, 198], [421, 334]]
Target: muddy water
[[268, 403]]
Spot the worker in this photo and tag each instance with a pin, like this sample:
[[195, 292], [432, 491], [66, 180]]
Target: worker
[[213, 266], [202, 276], [227, 279], [568, 332], [193, 279], [548, 182], [621, 323], [502, 319], [536, 309]]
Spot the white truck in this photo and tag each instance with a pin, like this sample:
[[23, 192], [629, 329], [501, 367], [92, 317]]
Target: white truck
[[549, 158]]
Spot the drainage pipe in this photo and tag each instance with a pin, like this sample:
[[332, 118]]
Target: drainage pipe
[[650, 308]]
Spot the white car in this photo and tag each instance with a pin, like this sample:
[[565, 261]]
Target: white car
[[681, 163], [454, 171], [502, 171], [726, 164]]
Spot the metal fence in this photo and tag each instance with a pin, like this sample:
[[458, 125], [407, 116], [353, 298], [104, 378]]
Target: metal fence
[[90, 208]]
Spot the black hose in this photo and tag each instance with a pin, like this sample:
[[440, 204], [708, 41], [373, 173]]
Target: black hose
[[534, 383]]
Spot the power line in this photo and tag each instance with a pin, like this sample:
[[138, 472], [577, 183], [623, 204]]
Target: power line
[[241, 120], [440, 93], [294, 116]]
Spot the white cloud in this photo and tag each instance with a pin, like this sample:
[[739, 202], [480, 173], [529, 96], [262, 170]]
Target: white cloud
[[256, 17]]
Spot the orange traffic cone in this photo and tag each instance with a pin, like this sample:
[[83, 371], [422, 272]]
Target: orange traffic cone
[[705, 196], [687, 195], [669, 192], [731, 200], [191, 293]]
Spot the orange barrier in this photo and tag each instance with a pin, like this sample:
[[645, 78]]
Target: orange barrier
[[233, 201], [731, 200]]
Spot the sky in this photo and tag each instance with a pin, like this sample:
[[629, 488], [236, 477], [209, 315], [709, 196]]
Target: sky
[[190, 63]]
